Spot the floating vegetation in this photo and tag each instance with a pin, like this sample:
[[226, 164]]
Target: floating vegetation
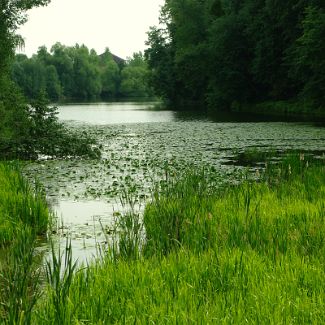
[[139, 155], [252, 253], [155, 147]]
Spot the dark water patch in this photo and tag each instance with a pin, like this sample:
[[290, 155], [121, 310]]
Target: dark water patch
[[240, 117]]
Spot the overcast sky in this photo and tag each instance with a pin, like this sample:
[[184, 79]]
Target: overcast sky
[[120, 25]]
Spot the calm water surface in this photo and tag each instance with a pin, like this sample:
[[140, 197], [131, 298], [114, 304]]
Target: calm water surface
[[138, 143], [115, 113]]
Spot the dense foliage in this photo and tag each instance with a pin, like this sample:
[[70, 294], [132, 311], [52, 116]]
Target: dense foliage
[[80, 74], [29, 127], [15, 125], [228, 53]]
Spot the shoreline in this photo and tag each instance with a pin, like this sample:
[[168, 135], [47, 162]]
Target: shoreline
[[286, 109]]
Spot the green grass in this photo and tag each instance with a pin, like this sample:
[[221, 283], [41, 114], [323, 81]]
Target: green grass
[[229, 286], [21, 205], [290, 199], [24, 216], [20, 275], [253, 253]]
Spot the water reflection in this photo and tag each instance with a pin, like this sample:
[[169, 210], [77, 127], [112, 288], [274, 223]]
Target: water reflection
[[115, 113], [224, 117], [103, 113]]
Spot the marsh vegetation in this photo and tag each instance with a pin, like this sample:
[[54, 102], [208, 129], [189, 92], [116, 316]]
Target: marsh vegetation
[[86, 192], [130, 213], [252, 251]]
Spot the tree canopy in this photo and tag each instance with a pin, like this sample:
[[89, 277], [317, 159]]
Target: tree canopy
[[14, 121], [12, 15], [29, 127], [77, 73], [222, 53]]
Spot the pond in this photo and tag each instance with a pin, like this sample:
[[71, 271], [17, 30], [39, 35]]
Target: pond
[[140, 146], [115, 113]]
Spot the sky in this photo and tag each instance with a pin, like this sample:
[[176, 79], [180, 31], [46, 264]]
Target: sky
[[120, 25]]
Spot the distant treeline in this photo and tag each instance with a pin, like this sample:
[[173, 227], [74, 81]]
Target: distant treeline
[[225, 54], [77, 73], [29, 127]]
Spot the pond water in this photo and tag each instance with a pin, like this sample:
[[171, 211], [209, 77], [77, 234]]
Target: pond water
[[115, 113], [139, 143]]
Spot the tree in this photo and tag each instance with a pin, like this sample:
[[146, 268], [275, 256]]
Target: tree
[[228, 60], [62, 59], [226, 53], [14, 122], [189, 30], [53, 85], [18, 73], [12, 15], [109, 75], [160, 57], [86, 74], [308, 57], [135, 78]]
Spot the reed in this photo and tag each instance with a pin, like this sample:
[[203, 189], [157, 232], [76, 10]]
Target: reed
[[20, 278], [287, 198], [252, 253], [20, 204], [59, 273], [24, 216]]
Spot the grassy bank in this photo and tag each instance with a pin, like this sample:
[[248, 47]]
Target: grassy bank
[[252, 253], [24, 216], [21, 205]]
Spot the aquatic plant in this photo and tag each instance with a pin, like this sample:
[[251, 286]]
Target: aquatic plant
[[189, 214], [253, 156], [24, 216], [250, 253], [20, 278], [59, 274]]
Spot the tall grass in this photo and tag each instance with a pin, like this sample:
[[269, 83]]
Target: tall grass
[[180, 214], [289, 199], [23, 216], [59, 274], [20, 204], [252, 253], [20, 279]]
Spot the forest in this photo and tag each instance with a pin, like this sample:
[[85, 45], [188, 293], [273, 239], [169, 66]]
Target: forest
[[77, 73], [228, 55]]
